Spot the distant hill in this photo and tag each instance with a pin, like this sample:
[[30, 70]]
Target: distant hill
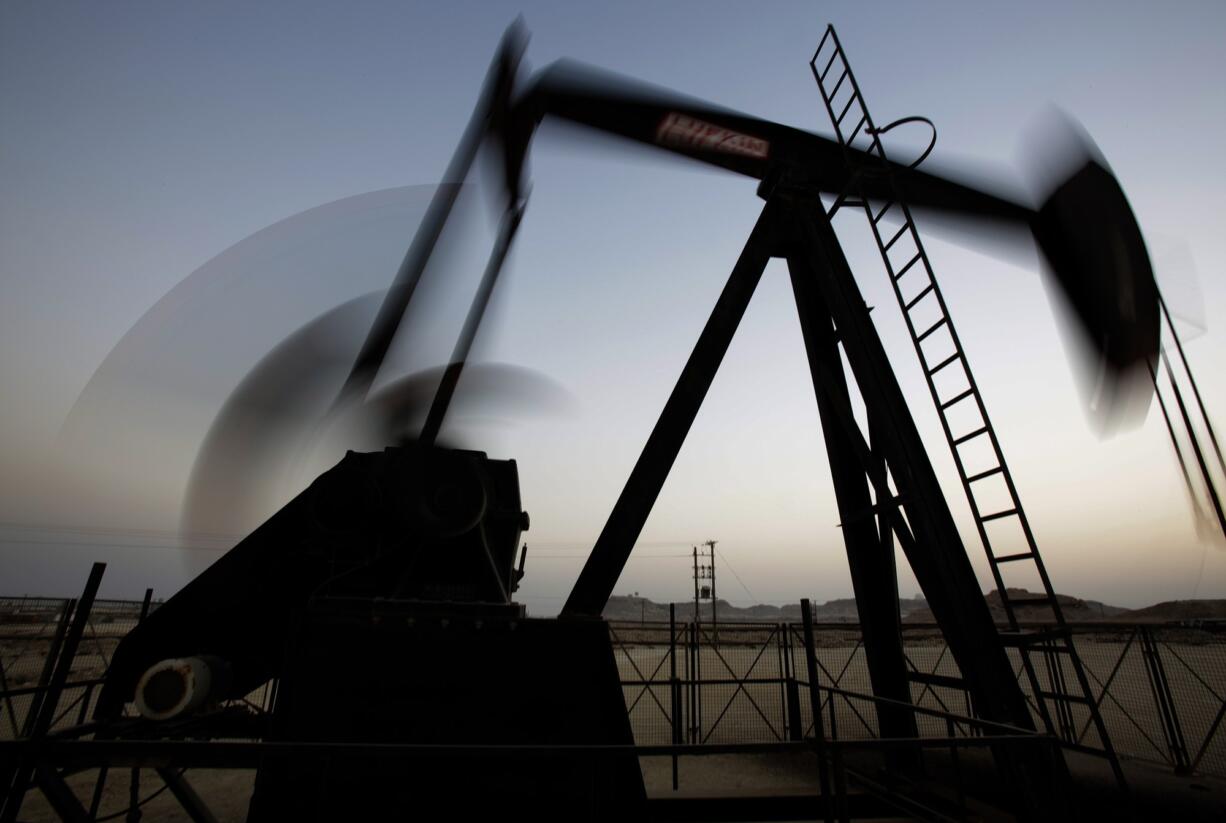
[[1074, 608], [914, 610], [1176, 610], [624, 607]]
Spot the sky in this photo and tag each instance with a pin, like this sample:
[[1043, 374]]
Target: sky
[[271, 160]]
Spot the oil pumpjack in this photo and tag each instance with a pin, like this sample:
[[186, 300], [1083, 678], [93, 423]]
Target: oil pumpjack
[[385, 589]]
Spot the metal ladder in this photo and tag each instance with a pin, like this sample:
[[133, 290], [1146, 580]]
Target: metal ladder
[[928, 320]]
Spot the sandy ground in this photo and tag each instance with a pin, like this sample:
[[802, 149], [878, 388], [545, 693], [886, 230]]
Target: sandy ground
[[1155, 794], [228, 791]]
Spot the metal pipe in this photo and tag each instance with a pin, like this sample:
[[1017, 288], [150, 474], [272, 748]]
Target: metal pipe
[[674, 687], [387, 321], [1192, 380], [1210, 488], [1170, 430]]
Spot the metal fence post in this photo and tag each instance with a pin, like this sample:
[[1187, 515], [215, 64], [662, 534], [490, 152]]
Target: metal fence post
[[100, 783], [815, 701], [16, 785], [1164, 701], [697, 682], [791, 696], [691, 683], [1209, 736], [674, 687], [44, 679]]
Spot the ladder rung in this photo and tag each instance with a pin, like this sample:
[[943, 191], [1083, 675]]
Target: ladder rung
[[918, 257], [971, 436], [984, 474], [926, 334], [923, 293], [856, 131], [956, 399], [841, 201], [945, 362], [842, 77], [901, 231], [997, 515], [881, 214], [846, 109], [826, 70], [936, 680], [1009, 558], [822, 44]]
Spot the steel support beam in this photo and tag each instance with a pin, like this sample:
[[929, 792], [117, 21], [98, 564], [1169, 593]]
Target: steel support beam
[[870, 553], [625, 522], [191, 802], [936, 555]]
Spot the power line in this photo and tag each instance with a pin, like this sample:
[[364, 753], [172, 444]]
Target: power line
[[115, 531], [737, 576], [108, 544], [581, 557]]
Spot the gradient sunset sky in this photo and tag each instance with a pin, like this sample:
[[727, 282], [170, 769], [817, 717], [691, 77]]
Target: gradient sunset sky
[[140, 140]]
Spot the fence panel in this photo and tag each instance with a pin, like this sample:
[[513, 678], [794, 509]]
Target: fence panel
[[739, 684], [642, 651], [1194, 662]]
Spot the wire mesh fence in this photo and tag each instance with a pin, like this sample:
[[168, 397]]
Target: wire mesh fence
[[1161, 688], [1162, 691], [31, 629]]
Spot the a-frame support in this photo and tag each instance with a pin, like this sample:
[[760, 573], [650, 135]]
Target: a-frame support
[[826, 291], [828, 299], [604, 565], [794, 225]]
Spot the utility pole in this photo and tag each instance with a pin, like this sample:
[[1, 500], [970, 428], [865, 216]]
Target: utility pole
[[705, 571], [696, 613]]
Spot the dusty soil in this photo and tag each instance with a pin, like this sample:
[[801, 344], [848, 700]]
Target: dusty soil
[[228, 792]]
